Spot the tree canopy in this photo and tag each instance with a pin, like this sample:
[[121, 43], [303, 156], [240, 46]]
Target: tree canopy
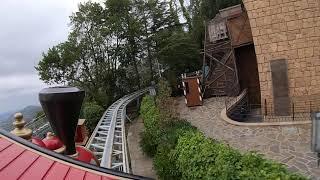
[[117, 46]]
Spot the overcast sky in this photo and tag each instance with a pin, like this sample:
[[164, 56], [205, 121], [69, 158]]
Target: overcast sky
[[28, 28]]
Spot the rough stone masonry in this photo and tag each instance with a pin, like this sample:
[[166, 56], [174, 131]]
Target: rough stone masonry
[[289, 30]]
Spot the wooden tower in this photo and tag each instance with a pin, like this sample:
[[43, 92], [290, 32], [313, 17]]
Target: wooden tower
[[228, 30]]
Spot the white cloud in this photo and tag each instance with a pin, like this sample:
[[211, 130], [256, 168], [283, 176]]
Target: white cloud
[[28, 28], [21, 84]]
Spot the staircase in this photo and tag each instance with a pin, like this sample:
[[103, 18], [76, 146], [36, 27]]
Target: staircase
[[221, 79]]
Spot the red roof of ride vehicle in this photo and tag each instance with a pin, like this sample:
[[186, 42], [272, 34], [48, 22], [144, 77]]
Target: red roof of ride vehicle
[[20, 159]]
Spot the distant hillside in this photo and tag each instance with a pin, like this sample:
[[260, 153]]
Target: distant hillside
[[29, 112], [5, 116]]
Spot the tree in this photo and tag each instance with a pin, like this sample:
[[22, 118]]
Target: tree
[[92, 112], [204, 10], [88, 59], [180, 53], [113, 47]]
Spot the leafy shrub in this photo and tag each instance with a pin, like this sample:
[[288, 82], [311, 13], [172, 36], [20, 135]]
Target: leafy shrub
[[92, 112], [164, 163], [164, 90], [151, 117], [179, 151], [146, 104], [157, 130], [164, 159], [164, 101], [172, 130], [254, 166], [201, 158], [148, 144]]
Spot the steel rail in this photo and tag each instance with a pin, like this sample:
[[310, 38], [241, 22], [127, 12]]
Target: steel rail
[[40, 126], [108, 140]]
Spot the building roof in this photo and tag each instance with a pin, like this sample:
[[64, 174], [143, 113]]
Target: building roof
[[20, 159]]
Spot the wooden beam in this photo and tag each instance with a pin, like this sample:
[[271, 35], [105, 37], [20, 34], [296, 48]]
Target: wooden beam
[[213, 58]]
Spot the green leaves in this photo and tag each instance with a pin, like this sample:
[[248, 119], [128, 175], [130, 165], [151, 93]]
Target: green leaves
[[92, 113], [180, 151], [201, 158], [180, 53]]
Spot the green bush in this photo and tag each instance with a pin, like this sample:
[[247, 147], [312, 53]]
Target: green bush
[[151, 117], [164, 163], [92, 112], [180, 151], [164, 90], [201, 158], [157, 130], [164, 159], [148, 143]]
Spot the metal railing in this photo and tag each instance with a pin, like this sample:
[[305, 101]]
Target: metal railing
[[239, 109], [108, 140]]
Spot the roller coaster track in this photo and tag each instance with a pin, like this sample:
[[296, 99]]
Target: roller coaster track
[[108, 140], [40, 126]]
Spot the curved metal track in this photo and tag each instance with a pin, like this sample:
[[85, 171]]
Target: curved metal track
[[40, 126], [108, 140]]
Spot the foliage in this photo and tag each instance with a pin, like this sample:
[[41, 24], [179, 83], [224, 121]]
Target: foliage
[[114, 46], [165, 102], [199, 157], [180, 151], [204, 10], [164, 90], [92, 113], [164, 163], [179, 52], [151, 118], [157, 129]]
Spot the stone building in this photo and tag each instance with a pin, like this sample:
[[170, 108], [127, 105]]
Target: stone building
[[286, 35], [286, 41]]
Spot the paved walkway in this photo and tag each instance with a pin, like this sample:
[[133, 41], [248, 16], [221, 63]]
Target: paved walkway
[[140, 163], [287, 144]]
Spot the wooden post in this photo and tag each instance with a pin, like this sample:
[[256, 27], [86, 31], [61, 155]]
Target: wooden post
[[20, 129]]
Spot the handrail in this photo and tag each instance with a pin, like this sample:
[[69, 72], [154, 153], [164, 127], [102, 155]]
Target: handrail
[[236, 100], [39, 125], [36, 119], [240, 109]]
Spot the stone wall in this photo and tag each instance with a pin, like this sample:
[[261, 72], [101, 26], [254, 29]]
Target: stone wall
[[287, 29]]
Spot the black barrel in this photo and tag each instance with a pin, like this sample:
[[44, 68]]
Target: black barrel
[[62, 107]]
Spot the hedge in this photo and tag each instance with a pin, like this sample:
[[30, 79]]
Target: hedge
[[92, 112], [201, 158], [180, 151]]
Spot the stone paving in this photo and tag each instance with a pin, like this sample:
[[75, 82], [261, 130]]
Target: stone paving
[[140, 163], [289, 145]]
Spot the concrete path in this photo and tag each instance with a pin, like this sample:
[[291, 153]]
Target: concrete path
[[287, 144], [140, 163]]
